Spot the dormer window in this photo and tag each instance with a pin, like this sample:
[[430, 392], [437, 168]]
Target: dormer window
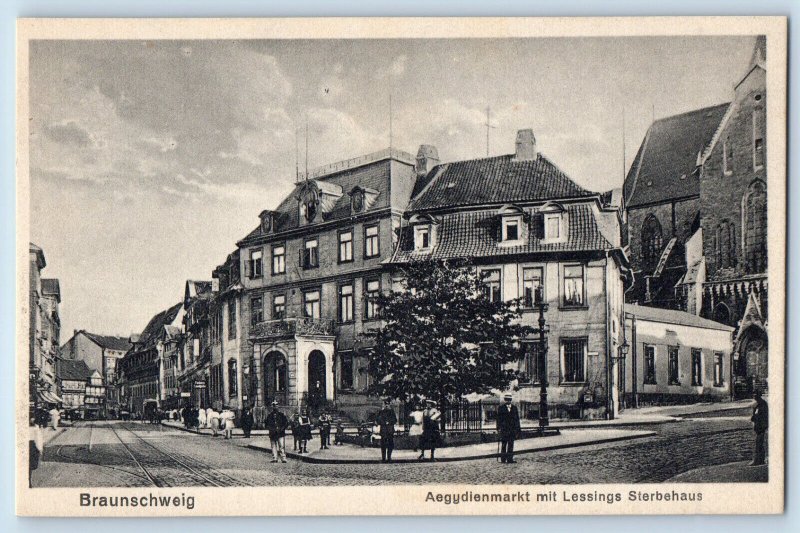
[[358, 201], [422, 237], [551, 223], [267, 221], [309, 208], [512, 225], [511, 229], [424, 232], [361, 199]]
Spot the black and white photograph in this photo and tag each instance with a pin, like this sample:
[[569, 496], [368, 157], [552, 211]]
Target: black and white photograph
[[527, 261]]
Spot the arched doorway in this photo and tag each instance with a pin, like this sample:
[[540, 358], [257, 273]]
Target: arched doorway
[[316, 379], [752, 365], [275, 379]]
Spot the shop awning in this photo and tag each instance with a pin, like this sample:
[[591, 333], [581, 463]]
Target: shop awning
[[48, 397]]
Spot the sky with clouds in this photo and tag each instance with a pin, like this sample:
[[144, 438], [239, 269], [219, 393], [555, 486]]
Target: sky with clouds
[[150, 159]]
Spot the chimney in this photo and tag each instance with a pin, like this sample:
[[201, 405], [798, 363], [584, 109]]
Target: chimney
[[427, 158], [526, 145]]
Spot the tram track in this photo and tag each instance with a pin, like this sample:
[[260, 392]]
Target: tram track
[[165, 469]]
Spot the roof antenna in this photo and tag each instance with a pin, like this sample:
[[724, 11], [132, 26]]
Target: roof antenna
[[306, 145], [296, 154], [390, 121], [624, 158], [488, 127]]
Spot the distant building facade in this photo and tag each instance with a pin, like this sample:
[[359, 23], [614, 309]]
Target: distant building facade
[[101, 353], [44, 331], [72, 376], [139, 372]]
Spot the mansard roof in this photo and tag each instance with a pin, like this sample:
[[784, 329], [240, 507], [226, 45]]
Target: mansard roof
[[371, 173], [493, 180], [474, 234], [665, 166]]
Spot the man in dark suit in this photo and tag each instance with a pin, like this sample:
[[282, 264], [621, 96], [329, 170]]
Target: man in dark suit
[[760, 421], [507, 428], [277, 423], [386, 420]]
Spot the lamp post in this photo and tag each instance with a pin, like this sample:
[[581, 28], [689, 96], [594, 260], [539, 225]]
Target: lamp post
[[622, 353], [544, 417]]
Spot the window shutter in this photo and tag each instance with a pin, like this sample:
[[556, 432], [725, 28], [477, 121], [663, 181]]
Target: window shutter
[[538, 225], [300, 257]]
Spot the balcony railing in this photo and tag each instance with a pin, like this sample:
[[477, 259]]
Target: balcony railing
[[288, 327]]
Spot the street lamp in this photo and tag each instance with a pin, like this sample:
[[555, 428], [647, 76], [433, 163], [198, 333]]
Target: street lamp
[[544, 418]]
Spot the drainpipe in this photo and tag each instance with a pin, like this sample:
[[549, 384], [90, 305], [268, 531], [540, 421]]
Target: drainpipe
[[609, 359], [634, 369]]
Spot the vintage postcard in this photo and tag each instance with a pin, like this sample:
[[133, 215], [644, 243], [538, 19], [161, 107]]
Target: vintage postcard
[[424, 266]]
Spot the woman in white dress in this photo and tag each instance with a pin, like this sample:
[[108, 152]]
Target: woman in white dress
[[415, 430]]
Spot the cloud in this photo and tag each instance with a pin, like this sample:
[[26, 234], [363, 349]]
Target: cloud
[[68, 133]]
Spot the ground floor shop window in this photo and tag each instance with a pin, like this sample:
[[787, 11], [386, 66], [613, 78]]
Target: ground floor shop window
[[649, 365], [697, 367], [674, 376], [573, 356], [719, 379], [346, 371], [531, 363]]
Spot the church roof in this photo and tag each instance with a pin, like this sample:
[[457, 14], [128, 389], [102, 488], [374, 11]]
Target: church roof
[[665, 167]]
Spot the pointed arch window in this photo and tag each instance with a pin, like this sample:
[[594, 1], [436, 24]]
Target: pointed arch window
[[755, 228], [652, 242], [726, 245]]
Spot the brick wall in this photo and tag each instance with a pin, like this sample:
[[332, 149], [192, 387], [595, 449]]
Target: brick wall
[[722, 193]]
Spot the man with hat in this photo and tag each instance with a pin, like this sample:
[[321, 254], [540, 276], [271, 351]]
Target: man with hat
[[386, 420], [276, 424], [507, 428]]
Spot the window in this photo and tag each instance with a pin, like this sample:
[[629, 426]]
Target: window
[[491, 284], [697, 367], [233, 380], [674, 374], [512, 228], [310, 254], [531, 363], [651, 243], [231, 319], [726, 245], [649, 365], [573, 356], [755, 228], [256, 264], [358, 201], [346, 246], [279, 259], [373, 289], [422, 237], [758, 139], [371, 244], [719, 378], [573, 286], [727, 157], [278, 307], [531, 281], [552, 226], [346, 303], [280, 375], [256, 310], [311, 304], [346, 374]]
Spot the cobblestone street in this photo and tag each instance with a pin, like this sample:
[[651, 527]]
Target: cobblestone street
[[139, 454]]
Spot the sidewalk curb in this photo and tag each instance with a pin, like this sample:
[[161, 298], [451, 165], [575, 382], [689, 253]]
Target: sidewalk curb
[[315, 460]]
